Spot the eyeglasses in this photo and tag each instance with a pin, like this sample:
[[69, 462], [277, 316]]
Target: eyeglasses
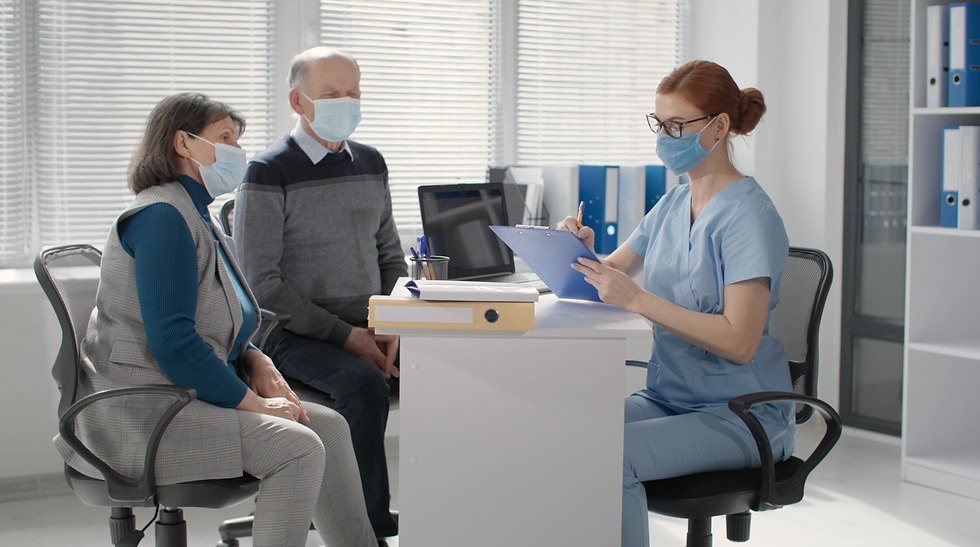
[[671, 128]]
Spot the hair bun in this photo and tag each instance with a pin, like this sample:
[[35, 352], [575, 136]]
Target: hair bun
[[752, 107]]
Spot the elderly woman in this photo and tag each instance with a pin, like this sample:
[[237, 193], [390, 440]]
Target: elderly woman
[[173, 308]]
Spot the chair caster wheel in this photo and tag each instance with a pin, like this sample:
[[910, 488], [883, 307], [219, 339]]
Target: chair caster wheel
[[229, 543]]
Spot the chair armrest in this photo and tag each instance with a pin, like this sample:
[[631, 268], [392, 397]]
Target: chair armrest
[[775, 494], [638, 364], [121, 488], [273, 321]]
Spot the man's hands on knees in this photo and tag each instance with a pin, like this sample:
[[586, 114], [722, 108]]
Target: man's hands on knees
[[388, 343], [272, 390], [378, 349]]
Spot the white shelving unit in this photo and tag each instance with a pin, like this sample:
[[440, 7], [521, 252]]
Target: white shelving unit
[[940, 429]]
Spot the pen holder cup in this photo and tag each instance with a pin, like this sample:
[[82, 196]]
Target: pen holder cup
[[434, 267]]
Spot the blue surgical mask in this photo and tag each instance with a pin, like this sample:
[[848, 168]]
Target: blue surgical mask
[[227, 171], [335, 119], [682, 154]]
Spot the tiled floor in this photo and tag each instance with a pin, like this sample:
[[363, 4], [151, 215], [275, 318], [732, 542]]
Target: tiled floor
[[855, 497]]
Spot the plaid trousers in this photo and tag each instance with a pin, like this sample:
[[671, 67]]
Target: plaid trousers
[[307, 472]]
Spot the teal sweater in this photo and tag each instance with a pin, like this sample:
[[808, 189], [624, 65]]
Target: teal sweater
[[166, 283]]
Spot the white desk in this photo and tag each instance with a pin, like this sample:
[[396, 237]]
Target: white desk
[[515, 440]]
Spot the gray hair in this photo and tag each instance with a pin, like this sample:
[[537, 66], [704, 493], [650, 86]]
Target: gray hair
[[155, 160], [302, 61]]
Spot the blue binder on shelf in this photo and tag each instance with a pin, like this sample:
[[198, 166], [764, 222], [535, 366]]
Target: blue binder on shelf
[[550, 254], [656, 186], [598, 187], [966, 216], [964, 54], [949, 193]]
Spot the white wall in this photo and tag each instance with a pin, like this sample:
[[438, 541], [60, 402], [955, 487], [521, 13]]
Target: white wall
[[30, 338], [726, 32], [795, 53], [802, 59]]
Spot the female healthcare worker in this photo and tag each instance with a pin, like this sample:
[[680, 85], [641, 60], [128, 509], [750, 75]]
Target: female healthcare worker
[[712, 254]]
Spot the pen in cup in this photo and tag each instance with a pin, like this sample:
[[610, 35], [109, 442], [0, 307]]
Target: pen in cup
[[426, 256], [420, 263]]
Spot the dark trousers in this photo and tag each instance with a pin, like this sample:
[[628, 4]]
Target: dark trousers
[[361, 392]]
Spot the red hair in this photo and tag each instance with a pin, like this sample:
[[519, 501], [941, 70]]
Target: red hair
[[711, 88]]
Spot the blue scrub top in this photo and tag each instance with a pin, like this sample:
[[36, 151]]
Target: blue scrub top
[[738, 236]]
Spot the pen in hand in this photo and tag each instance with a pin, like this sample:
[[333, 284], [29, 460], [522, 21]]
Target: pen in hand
[[578, 219]]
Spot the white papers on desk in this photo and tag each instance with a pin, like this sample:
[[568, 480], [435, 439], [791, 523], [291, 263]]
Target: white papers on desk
[[471, 291]]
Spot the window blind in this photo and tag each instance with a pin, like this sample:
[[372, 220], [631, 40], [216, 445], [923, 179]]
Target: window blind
[[428, 83], [15, 179], [587, 75], [103, 65], [885, 82]]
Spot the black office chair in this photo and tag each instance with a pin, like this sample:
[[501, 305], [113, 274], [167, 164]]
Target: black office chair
[[795, 321], [69, 275]]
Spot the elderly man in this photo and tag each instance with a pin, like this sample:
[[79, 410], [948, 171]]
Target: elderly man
[[316, 237]]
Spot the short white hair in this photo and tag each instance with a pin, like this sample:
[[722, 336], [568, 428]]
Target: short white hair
[[301, 62]]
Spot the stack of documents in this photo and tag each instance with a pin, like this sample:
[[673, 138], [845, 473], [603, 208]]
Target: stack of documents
[[471, 291]]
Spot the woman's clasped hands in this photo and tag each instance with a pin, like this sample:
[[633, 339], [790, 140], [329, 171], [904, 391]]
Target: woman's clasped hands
[[268, 391]]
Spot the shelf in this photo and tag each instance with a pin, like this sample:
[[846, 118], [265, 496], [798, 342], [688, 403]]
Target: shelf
[[955, 471], [966, 349], [951, 232], [940, 432], [942, 111], [964, 462]]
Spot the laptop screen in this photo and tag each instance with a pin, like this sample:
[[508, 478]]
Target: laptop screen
[[456, 219]]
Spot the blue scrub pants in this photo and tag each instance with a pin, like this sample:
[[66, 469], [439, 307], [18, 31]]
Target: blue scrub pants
[[361, 392], [660, 443]]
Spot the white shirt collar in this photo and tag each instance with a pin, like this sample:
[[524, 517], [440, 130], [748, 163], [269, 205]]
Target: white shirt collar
[[312, 147]]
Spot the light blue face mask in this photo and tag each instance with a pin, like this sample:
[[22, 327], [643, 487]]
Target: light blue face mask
[[335, 119], [227, 171], [682, 154]]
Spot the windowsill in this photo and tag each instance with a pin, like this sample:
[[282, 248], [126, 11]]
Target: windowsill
[[18, 281]]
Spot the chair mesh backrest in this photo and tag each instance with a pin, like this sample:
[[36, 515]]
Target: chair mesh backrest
[[802, 292], [70, 278]]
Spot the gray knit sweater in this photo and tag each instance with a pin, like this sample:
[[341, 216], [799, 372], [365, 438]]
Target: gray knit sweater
[[318, 241]]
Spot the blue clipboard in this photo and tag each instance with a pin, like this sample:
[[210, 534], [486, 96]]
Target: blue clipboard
[[550, 254]]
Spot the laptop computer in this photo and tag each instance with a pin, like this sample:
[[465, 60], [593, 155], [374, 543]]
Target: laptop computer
[[456, 220]]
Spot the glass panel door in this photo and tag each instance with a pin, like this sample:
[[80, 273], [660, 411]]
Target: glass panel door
[[875, 206]]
